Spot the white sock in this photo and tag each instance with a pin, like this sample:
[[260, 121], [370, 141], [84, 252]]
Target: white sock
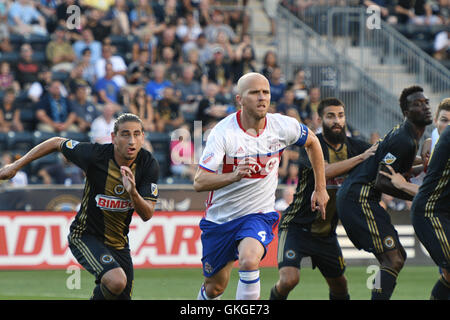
[[249, 286], [202, 294]]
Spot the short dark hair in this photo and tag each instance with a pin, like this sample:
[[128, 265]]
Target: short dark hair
[[126, 117], [328, 102], [444, 105], [405, 93]]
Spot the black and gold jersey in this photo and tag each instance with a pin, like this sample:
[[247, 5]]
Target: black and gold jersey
[[299, 211], [434, 193], [106, 208], [397, 149]]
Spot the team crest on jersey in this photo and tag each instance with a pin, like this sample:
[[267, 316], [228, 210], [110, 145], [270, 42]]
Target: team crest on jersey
[[119, 189], [154, 190], [389, 158], [389, 242], [71, 144]]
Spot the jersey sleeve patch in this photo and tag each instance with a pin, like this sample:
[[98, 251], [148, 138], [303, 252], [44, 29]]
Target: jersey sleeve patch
[[389, 159]]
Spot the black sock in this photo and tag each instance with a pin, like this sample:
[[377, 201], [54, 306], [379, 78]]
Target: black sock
[[340, 296], [275, 295], [101, 292], [387, 280], [441, 290]]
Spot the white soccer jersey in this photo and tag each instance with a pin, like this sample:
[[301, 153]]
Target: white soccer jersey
[[228, 144]]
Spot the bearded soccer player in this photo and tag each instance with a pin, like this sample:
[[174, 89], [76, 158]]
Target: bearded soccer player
[[302, 232], [239, 167], [121, 178], [366, 223]]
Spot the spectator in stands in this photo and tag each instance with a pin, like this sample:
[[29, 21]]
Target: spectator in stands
[[182, 154], [187, 89], [62, 13], [299, 87], [88, 67], [270, 61], [141, 105], [84, 108], [244, 61], [223, 42], [292, 175], [103, 125], [205, 50], [21, 177], [62, 172], [7, 78], [143, 21], [99, 28], [416, 12], [54, 111], [312, 103], [173, 68], [118, 17], [59, 52], [213, 107], [442, 44], [25, 19], [119, 67], [138, 72], [106, 88], [217, 25], [282, 203], [10, 113], [170, 13], [287, 102], [88, 41], [199, 69], [168, 116], [102, 5], [385, 6], [26, 69], [155, 87], [277, 85], [270, 7], [219, 70], [40, 87], [188, 32], [169, 39], [5, 45], [75, 80]]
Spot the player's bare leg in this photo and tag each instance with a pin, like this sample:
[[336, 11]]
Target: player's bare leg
[[250, 254], [338, 288], [111, 286], [391, 262], [289, 278], [214, 286]]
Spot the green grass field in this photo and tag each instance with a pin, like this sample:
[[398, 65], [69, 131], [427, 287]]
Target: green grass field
[[414, 283]]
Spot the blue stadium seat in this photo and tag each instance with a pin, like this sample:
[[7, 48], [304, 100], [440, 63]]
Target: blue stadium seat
[[78, 136], [3, 141], [40, 136], [20, 140], [38, 164]]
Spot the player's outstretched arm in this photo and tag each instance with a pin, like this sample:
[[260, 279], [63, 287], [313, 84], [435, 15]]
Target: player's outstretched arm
[[319, 198], [341, 167], [39, 151]]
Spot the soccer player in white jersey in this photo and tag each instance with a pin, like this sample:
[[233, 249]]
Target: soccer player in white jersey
[[239, 166]]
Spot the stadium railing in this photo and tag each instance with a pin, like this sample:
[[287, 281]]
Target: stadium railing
[[371, 107]]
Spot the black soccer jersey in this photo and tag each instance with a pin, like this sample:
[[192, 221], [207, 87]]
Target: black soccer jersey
[[106, 208], [397, 149], [299, 211], [434, 193]]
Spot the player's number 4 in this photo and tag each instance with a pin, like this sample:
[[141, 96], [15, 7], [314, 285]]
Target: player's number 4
[[262, 234]]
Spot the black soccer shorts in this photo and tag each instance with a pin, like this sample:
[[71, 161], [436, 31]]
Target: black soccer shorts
[[296, 242], [98, 258]]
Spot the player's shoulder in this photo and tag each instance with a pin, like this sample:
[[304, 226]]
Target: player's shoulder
[[226, 125]]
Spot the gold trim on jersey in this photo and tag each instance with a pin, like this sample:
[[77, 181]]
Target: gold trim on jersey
[[440, 234], [370, 218], [81, 226], [281, 244], [298, 202], [90, 258]]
